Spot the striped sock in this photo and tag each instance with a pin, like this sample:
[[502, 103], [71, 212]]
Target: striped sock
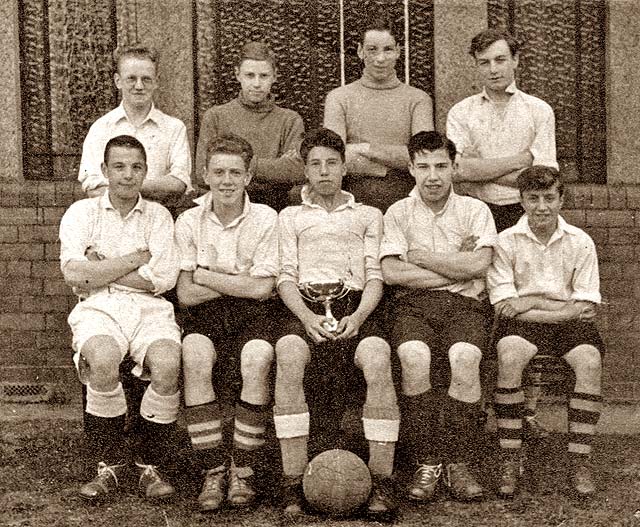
[[204, 425], [249, 432], [509, 408], [584, 412]]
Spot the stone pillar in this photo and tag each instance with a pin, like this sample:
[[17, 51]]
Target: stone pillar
[[623, 104], [454, 25], [10, 118], [166, 25]]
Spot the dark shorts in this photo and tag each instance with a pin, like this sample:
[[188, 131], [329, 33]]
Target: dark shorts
[[552, 339], [230, 322], [438, 318], [332, 380]]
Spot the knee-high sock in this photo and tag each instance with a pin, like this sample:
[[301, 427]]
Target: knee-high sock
[[249, 433], [462, 429], [104, 421], [157, 426], [509, 408], [420, 416], [381, 427], [204, 425], [292, 431], [584, 413], [105, 439]]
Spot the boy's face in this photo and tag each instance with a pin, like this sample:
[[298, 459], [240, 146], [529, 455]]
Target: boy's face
[[256, 78], [542, 207], [433, 172], [228, 178], [497, 66], [136, 79], [125, 170], [379, 52], [324, 170]]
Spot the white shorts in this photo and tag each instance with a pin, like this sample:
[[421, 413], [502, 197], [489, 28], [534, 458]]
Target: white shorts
[[133, 320]]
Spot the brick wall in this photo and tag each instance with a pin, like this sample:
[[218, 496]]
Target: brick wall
[[34, 301]]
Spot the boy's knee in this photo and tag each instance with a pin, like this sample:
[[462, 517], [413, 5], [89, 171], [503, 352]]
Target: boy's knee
[[256, 356], [414, 356], [514, 353], [292, 352], [373, 354], [198, 354], [464, 357]]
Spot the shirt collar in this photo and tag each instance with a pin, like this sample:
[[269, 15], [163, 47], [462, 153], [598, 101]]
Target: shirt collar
[[351, 200], [522, 227], [512, 89], [207, 203], [105, 203], [154, 114], [415, 194]]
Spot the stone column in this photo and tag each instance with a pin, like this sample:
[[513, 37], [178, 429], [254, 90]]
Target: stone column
[[10, 117], [455, 23], [623, 104]]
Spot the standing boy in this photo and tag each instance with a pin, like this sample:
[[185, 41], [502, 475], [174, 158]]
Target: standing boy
[[164, 137]]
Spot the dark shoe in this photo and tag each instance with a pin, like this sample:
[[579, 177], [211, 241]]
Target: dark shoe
[[533, 429], [509, 476], [292, 495], [462, 485], [213, 489], [241, 483], [103, 484], [151, 484], [382, 505], [425, 481], [582, 480]]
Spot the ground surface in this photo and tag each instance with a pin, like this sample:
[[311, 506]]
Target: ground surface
[[40, 473]]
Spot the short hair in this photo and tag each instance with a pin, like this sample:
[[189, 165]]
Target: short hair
[[125, 141], [379, 20], [539, 177], [322, 137], [256, 51], [430, 142], [137, 50], [485, 38], [232, 145]]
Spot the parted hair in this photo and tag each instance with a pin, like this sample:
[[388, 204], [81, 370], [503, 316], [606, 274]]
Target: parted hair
[[255, 50], [322, 137], [487, 37], [230, 144], [138, 50], [377, 19], [127, 141], [539, 177], [430, 142]]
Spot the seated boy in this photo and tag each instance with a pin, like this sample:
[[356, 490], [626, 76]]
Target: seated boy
[[331, 239], [229, 251], [544, 285], [434, 251], [117, 251]]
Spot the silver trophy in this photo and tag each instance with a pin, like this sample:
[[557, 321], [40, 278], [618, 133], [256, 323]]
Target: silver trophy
[[325, 293]]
